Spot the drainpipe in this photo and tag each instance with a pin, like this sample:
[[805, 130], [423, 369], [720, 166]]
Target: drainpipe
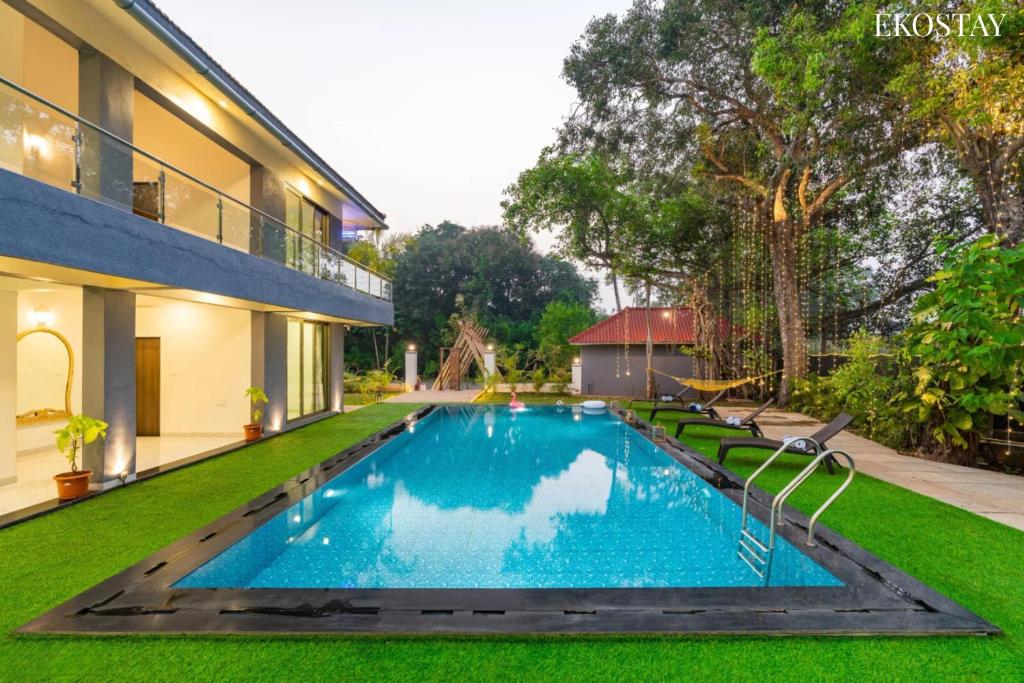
[[203, 68]]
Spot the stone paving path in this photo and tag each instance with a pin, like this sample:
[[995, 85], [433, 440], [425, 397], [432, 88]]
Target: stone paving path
[[995, 495]]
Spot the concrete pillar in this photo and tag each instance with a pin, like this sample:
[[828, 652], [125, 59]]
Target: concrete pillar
[[266, 192], [108, 382], [411, 360], [106, 97], [8, 387], [577, 375], [270, 366], [490, 364], [337, 363]]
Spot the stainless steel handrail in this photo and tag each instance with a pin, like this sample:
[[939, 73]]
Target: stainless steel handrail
[[763, 467], [759, 554], [220, 193], [794, 484], [831, 499]]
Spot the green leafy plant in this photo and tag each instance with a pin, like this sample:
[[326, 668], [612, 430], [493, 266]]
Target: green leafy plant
[[80, 430], [538, 377], [377, 381], [352, 382], [967, 343], [257, 399], [561, 380], [864, 387], [509, 360]]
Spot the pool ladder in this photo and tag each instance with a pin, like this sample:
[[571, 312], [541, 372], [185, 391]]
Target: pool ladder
[[757, 553]]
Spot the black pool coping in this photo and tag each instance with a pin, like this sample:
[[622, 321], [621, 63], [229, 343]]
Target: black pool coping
[[876, 598]]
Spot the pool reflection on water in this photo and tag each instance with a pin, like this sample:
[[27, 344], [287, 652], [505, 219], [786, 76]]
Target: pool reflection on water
[[483, 497]]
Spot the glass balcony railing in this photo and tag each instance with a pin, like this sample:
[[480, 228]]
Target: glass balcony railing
[[40, 140]]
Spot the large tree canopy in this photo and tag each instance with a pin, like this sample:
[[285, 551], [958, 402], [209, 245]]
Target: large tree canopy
[[486, 272], [775, 114]]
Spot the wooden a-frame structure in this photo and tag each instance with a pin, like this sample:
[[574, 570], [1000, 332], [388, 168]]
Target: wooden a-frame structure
[[469, 346]]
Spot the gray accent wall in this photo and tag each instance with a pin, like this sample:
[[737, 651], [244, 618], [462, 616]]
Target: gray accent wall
[[600, 361], [108, 381], [337, 372], [49, 225], [266, 192], [106, 98], [270, 365]]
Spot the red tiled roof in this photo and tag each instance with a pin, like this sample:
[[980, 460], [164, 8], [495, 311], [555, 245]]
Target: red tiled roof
[[669, 325]]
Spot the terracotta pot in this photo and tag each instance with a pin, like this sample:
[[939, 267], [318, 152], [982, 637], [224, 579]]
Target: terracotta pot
[[253, 432], [71, 485]]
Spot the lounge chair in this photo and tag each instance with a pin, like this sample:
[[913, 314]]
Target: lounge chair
[[684, 406], [747, 423], [841, 422]]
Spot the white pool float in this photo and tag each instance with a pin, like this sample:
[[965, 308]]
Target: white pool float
[[594, 407]]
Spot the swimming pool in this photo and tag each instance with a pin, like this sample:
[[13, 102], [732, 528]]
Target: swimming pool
[[484, 497], [472, 520]]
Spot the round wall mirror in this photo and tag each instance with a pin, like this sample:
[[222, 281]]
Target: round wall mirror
[[45, 368]]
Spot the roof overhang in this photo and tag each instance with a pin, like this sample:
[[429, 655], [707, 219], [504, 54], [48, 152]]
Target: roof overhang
[[166, 31]]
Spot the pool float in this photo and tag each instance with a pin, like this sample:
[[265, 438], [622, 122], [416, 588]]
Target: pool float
[[594, 407]]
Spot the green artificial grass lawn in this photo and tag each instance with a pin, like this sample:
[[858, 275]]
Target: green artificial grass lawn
[[48, 560], [355, 399]]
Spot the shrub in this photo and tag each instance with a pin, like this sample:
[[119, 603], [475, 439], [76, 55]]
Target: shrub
[[509, 361], [353, 383], [538, 377], [967, 343], [864, 387], [561, 380]]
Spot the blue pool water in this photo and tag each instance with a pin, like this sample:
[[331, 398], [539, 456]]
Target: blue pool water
[[480, 497]]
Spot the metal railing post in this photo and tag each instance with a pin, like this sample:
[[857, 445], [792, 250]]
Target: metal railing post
[[76, 182], [220, 219], [162, 182]]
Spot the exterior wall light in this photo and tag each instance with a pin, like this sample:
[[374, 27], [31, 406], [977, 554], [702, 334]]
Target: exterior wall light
[[41, 318], [411, 348]]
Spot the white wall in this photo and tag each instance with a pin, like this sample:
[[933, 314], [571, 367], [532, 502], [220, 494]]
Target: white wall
[[8, 393], [64, 305], [204, 364]]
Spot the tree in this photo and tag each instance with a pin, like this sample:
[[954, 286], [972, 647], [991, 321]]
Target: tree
[[486, 272], [559, 322], [968, 93], [706, 76]]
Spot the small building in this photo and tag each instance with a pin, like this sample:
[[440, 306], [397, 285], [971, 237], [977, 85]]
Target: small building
[[612, 353]]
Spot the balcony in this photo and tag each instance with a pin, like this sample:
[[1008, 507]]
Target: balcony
[[47, 143]]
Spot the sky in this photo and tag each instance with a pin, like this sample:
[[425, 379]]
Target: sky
[[429, 108]]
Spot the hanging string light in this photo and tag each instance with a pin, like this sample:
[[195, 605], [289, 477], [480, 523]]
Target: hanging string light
[[626, 325]]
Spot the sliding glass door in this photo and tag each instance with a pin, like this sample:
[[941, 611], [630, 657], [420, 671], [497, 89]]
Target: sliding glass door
[[307, 368], [309, 223]]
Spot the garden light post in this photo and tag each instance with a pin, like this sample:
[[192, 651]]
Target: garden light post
[[411, 358]]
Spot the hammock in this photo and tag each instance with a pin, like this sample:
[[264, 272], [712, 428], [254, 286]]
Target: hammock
[[715, 384]]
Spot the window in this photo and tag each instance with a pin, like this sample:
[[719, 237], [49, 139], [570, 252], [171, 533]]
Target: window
[[310, 224], [307, 368]]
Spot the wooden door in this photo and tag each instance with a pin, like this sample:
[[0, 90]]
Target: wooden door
[[147, 386]]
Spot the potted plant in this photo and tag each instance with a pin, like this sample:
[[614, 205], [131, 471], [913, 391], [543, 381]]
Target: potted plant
[[257, 399], [80, 430]]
